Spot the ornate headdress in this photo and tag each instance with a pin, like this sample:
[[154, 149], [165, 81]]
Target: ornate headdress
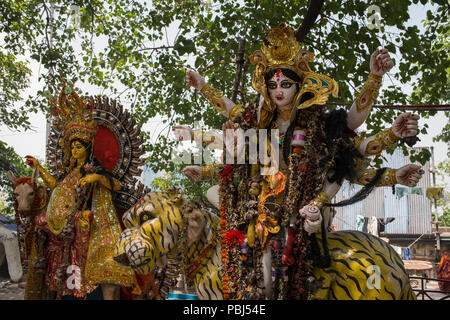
[[281, 50], [73, 116]]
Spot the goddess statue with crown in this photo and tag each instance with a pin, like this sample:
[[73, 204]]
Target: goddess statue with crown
[[80, 220], [281, 207]]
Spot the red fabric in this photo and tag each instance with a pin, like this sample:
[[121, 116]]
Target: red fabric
[[143, 281], [288, 257], [444, 272], [226, 172], [106, 148]]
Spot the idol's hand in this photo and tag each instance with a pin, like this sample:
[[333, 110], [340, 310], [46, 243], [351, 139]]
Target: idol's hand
[[182, 132], [409, 175], [31, 161], [194, 79], [194, 173], [233, 137], [380, 62], [90, 178], [313, 218], [406, 125]]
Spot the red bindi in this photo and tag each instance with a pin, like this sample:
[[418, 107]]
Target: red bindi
[[278, 74]]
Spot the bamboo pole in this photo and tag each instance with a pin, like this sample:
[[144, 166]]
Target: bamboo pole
[[239, 64]]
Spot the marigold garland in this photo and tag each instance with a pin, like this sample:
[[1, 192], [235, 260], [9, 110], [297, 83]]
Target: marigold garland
[[223, 230]]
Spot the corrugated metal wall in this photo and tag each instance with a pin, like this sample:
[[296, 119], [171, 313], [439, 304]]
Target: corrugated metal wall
[[412, 212], [420, 206]]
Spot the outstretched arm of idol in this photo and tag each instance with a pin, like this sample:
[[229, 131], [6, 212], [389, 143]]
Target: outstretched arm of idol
[[197, 173], [215, 97], [380, 64], [406, 125], [208, 172], [209, 139], [408, 175], [78, 157], [103, 180], [48, 179]]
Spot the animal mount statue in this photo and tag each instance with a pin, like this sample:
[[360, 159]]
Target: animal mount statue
[[30, 200], [174, 227], [361, 267], [93, 153], [279, 192]]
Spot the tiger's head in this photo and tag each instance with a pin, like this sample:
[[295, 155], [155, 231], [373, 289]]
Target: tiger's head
[[153, 228]]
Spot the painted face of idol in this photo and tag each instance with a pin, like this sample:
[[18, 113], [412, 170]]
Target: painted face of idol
[[78, 150], [282, 90]]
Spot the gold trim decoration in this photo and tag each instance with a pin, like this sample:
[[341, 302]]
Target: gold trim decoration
[[281, 49], [369, 92], [48, 179], [365, 177], [235, 111], [264, 225], [321, 198], [211, 171], [381, 141], [73, 116], [389, 177], [214, 96], [274, 184], [319, 87], [358, 139]]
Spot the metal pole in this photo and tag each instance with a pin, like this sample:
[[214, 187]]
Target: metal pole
[[436, 218]]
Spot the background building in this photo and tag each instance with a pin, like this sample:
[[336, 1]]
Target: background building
[[411, 209]]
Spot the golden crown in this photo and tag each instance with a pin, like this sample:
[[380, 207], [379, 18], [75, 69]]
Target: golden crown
[[281, 50], [74, 116]]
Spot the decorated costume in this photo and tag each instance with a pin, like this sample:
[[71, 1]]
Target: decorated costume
[[273, 243], [88, 161], [317, 150]]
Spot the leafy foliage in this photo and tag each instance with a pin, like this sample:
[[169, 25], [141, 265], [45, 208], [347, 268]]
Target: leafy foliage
[[139, 51], [444, 217], [13, 79], [193, 191], [443, 171], [9, 160]]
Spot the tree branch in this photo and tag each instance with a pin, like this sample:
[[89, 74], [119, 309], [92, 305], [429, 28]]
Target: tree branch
[[310, 18], [239, 64], [155, 48]]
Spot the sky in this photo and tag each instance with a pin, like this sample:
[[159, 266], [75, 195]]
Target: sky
[[32, 142]]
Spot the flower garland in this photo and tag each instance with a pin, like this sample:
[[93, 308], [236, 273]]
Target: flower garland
[[234, 237], [307, 170], [225, 176]]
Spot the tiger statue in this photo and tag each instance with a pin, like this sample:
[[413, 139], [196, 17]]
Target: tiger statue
[[363, 267], [157, 226]]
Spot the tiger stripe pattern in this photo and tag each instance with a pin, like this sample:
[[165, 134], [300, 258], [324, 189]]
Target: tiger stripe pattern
[[363, 267], [153, 228]]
